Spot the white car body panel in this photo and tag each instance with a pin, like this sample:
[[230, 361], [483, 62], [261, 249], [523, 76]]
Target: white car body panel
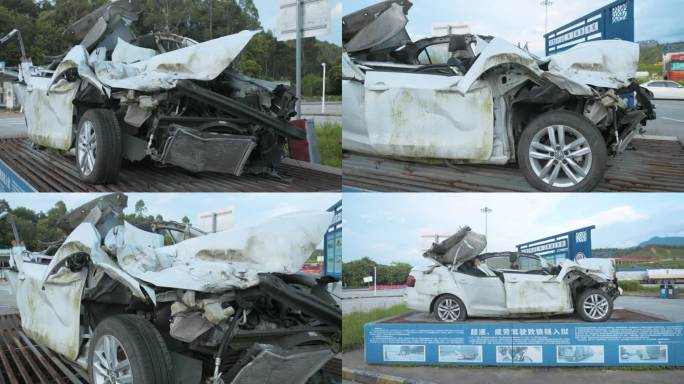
[[50, 311], [415, 115], [229, 259], [49, 115], [420, 116]]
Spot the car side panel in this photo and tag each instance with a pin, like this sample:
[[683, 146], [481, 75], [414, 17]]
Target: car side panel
[[484, 296], [50, 315], [423, 116], [527, 293], [49, 115]]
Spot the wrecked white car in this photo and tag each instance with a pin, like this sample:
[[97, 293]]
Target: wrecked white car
[[161, 96], [464, 283], [228, 307], [479, 99]]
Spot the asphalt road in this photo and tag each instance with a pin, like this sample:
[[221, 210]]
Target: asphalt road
[[312, 111], [12, 125], [670, 121]]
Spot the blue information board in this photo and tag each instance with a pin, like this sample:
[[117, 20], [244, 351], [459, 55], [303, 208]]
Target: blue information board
[[530, 344], [332, 249], [573, 245], [614, 21], [11, 182]]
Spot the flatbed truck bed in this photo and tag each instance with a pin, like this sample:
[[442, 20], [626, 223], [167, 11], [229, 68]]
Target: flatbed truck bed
[[46, 170], [649, 165]]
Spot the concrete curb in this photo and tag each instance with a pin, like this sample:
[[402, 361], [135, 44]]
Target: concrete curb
[[368, 377]]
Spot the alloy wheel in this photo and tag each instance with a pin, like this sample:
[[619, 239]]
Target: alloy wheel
[[595, 306], [560, 156], [87, 148], [449, 310], [110, 362]]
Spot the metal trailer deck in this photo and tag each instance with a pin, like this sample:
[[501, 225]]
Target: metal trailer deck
[[652, 165], [49, 171], [24, 361]]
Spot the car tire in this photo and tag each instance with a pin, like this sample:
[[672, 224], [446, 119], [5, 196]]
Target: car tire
[[136, 340], [98, 147], [449, 308], [594, 305], [563, 161]]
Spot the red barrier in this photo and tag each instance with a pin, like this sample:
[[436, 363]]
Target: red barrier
[[299, 149]]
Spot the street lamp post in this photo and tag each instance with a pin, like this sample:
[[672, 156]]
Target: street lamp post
[[323, 96], [486, 210], [546, 4]]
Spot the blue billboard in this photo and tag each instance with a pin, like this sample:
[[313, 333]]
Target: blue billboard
[[526, 344], [332, 247], [614, 21], [11, 182], [574, 245]]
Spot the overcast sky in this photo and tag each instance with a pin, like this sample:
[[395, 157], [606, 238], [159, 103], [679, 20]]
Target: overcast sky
[[389, 227], [268, 13], [250, 208], [523, 20]]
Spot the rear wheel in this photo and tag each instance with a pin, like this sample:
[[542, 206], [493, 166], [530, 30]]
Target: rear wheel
[[98, 147], [449, 308], [594, 305], [128, 349], [562, 151]]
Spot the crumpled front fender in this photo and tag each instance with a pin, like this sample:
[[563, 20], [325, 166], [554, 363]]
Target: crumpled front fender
[[85, 239]]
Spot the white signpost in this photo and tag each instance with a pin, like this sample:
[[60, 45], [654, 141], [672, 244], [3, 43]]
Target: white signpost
[[316, 21], [298, 19], [368, 279]]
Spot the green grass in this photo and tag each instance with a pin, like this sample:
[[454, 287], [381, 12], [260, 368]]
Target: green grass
[[329, 137], [636, 287], [352, 324]]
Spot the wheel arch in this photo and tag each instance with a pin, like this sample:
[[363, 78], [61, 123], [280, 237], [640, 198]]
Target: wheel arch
[[437, 297]]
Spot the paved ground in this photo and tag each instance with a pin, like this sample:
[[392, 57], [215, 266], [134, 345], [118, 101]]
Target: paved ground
[[12, 125], [670, 121], [333, 112], [672, 310], [7, 301]]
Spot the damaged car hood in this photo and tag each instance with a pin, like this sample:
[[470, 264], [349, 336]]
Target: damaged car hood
[[223, 260], [141, 71], [460, 247]]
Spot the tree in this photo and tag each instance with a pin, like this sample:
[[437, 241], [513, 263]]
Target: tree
[[185, 220], [140, 208]]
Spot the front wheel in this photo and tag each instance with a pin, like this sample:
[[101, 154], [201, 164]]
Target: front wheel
[[98, 146], [561, 151], [128, 349], [594, 305], [449, 308]]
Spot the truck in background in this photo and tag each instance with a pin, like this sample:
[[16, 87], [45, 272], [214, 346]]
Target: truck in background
[[673, 66]]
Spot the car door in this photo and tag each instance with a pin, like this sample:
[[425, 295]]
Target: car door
[[483, 295], [533, 293], [50, 308], [424, 116]]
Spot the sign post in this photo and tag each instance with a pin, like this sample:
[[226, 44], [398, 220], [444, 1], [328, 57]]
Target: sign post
[[298, 19]]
